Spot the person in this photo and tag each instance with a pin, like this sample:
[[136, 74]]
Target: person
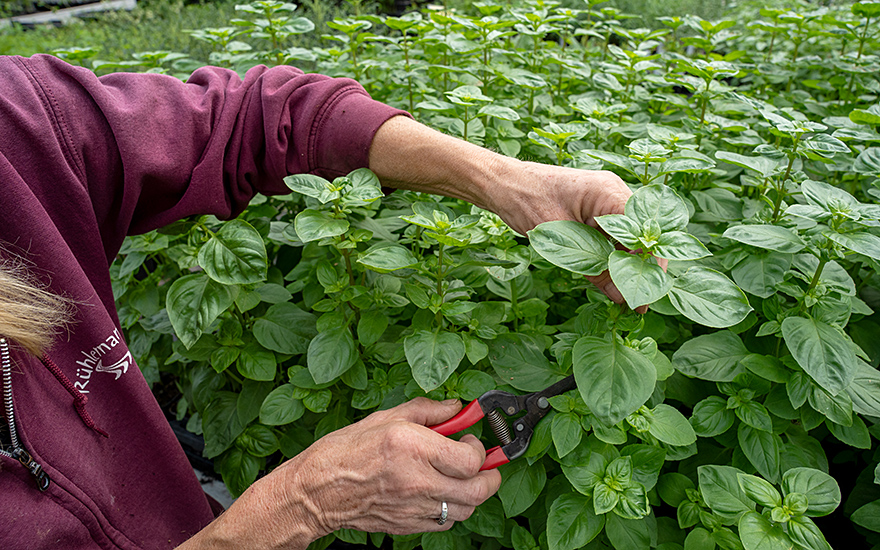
[[88, 459]]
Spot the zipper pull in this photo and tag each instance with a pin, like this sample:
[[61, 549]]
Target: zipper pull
[[41, 477]]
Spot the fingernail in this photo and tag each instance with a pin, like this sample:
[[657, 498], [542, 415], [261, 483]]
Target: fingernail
[[452, 401], [612, 292]]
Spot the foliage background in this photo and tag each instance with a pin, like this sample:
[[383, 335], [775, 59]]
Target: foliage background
[[757, 133]]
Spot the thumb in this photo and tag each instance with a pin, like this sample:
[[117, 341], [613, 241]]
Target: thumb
[[427, 412]]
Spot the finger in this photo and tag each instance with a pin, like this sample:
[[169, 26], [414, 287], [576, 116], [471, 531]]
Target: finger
[[603, 282], [426, 412], [454, 512], [470, 492], [458, 459]]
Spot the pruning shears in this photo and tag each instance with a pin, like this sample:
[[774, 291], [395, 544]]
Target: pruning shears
[[514, 445]]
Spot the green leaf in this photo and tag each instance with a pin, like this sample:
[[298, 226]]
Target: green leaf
[[699, 539], [762, 165], [721, 491], [239, 469], [385, 257], [673, 488], [867, 9], [660, 204], [371, 326], [759, 490], [285, 328], [678, 245], [864, 390], [497, 111], [331, 353], [825, 145], [821, 350], [280, 407], [522, 539], [711, 417], [759, 273], [805, 533], [861, 242], [625, 230], [220, 423], [257, 363], [572, 246], [770, 237], [487, 519], [827, 196], [519, 360], [194, 302], [235, 254], [258, 440], [521, 483], [821, 490], [762, 449], [757, 533], [755, 415], [604, 498], [312, 225], [707, 297], [868, 516], [571, 523], [671, 427], [567, 432], [868, 161], [640, 281], [613, 379], [627, 534], [310, 185], [714, 356], [433, 356]]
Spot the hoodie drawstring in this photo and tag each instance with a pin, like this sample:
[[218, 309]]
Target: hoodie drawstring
[[79, 398]]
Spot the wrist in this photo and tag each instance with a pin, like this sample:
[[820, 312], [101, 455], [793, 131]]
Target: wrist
[[274, 513]]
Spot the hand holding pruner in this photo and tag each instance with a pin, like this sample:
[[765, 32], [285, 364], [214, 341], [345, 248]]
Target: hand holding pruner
[[513, 442]]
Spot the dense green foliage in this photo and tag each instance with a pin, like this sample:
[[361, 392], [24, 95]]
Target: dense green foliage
[[714, 420]]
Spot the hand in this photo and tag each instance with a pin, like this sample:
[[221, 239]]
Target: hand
[[530, 193], [408, 155], [387, 473], [390, 473]]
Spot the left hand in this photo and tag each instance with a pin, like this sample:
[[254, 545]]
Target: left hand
[[409, 155]]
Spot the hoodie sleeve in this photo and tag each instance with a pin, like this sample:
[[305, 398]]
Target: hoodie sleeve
[[149, 149]]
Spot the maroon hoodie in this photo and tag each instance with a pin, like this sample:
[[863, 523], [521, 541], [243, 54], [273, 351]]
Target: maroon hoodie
[[85, 161]]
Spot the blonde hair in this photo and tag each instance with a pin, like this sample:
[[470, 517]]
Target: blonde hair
[[30, 316]]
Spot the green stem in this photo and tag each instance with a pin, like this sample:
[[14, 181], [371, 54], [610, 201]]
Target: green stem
[[863, 39], [514, 300], [439, 316]]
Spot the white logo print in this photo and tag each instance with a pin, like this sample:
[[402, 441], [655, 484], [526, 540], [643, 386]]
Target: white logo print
[[94, 362]]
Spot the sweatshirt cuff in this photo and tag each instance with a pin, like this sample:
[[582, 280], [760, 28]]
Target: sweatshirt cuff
[[343, 133]]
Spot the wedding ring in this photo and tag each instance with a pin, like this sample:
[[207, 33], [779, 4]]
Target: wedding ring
[[444, 510]]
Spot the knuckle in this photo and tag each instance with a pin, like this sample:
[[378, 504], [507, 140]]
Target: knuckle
[[466, 512], [397, 437], [478, 494]]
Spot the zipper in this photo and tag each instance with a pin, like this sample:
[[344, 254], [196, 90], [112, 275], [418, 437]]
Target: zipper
[[18, 451]]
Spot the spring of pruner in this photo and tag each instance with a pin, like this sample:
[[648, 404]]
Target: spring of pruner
[[499, 427]]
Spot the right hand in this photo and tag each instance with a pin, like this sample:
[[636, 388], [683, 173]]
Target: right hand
[[387, 473]]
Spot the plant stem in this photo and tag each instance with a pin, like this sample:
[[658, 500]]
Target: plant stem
[[863, 39]]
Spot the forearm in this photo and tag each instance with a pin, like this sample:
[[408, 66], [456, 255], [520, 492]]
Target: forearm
[[274, 513], [408, 155]]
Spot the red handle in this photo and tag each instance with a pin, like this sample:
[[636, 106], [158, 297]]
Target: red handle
[[466, 418], [494, 457]]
